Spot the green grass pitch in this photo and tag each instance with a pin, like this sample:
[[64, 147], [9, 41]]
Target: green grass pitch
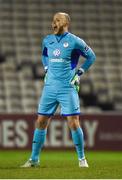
[[61, 165]]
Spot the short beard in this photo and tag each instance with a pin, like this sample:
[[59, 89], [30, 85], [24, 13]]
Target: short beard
[[60, 30]]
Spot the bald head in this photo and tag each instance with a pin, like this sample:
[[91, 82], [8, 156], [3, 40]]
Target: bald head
[[60, 22], [65, 15]]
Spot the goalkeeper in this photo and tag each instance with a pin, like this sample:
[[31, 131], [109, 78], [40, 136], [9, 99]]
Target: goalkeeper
[[60, 54]]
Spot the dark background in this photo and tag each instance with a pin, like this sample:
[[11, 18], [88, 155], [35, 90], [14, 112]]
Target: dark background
[[24, 23]]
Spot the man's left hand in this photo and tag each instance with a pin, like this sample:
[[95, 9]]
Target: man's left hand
[[76, 79], [76, 82]]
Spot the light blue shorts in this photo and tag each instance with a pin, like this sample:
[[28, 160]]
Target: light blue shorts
[[52, 96]]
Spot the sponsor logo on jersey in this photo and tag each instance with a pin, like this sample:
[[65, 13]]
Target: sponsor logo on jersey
[[65, 44], [56, 52], [57, 60]]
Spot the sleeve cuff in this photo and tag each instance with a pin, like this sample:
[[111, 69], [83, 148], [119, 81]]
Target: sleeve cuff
[[80, 71]]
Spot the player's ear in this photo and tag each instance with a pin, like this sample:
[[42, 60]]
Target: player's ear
[[66, 23]]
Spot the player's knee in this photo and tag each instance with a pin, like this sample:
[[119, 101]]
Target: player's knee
[[42, 122], [73, 123]]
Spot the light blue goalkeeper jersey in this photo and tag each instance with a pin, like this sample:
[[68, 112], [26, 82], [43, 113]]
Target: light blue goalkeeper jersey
[[60, 55]]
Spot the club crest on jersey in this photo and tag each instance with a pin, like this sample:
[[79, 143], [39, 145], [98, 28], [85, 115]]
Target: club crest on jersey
[[66, 44], [56, 52]]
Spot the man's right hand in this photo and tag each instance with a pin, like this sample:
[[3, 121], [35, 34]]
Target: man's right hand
[[45, 77]]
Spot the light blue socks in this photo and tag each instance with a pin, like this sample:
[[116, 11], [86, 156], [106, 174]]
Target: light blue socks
[[38, 142], [40, 137], [78, 139]]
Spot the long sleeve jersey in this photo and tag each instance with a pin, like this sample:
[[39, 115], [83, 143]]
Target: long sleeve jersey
[[60, 55]]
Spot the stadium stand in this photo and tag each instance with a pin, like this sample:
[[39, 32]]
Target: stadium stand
[[24, 23]]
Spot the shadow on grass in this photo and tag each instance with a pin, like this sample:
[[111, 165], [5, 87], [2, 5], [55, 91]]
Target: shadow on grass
[[9, 168]]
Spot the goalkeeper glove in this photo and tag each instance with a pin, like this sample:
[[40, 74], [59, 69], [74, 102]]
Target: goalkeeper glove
[[76, 79], [45, 77]]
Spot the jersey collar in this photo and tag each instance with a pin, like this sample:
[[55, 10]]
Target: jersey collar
[[60, 36]]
